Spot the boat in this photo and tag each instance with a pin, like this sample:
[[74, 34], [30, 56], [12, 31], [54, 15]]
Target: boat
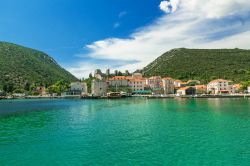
[[114, 95]]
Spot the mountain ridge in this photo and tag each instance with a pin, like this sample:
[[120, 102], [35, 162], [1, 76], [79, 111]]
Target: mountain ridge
[[202, 64], [19, 65]]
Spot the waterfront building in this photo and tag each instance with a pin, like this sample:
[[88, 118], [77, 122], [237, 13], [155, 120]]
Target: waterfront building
[[179, 84], [168, 85], [236, 88], [78, 88], [248, 89], [99, 88], [186, 91], [155, 84], [41, 90], [137, 76], [220, 86], [118, 81], [201, 89], [137, 84]]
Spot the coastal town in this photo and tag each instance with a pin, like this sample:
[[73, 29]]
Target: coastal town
[[157, 86], [119, 85]]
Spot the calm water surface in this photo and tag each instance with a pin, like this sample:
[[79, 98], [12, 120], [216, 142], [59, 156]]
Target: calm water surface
[[125, 132]]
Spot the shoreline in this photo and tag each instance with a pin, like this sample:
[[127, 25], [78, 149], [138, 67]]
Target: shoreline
[[136, 96]]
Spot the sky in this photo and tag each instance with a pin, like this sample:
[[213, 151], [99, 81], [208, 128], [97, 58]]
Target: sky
[[82, 35]]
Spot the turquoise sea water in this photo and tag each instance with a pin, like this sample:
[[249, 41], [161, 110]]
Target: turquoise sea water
[[125, 132]]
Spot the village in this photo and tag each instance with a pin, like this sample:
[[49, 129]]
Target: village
[[120, 85], [152, 87]]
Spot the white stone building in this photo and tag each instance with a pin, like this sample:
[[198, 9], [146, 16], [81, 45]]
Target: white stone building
[[118, 81], [137, 84], [220, 86], [248, 89], [79, 86], [137, 76], [154, 82], [186, 91], [99, 88], [179, 84], [168, 85]]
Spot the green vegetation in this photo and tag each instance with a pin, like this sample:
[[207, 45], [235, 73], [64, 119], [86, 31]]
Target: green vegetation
[[22, 69], [244, 85], [202, 64], [59, 87], [89, 83]]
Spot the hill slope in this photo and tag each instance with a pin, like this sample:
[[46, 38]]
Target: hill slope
[[20, 64], [202, 64]]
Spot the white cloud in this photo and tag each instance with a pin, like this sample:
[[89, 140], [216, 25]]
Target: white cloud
[[169, 6], [191, 24], [85, 68], [215, 8], [236, 41]]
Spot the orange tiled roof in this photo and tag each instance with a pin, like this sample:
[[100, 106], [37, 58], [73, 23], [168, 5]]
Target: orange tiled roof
[[237, 86], [201, 86], [219, 80], [129, 77], [118, 78], [167, 78], [155, 77], [179, 81]]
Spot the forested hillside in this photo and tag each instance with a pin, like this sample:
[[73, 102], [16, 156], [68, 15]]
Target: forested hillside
[[20, 66], [202, 64]]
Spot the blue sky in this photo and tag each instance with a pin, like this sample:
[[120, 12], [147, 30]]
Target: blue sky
[[122, 34], [61, 28]]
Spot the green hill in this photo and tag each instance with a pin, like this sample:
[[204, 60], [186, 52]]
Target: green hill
[[19, 65], [202, 64]]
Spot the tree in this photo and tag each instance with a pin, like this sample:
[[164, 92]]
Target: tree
[[8, 88], [127, 73], [119, 73], [244, 85], [5, 87], [88, 81], [90, 75], [59, 87], [18, 91], [27, 86], [116, 72]]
